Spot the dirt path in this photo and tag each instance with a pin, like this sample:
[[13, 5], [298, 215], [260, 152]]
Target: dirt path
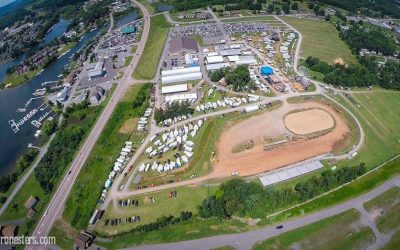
[[256, 160]]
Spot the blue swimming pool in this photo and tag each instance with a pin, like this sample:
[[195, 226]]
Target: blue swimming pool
[[266, 70]]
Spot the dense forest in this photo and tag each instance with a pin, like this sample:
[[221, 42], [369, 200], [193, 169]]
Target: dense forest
[[359, 38], [237, 197], [384, 7], [368, 73]]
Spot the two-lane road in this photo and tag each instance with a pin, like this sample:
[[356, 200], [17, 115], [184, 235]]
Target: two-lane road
[[55, 207]]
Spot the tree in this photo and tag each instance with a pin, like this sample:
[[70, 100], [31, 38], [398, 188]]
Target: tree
[[294, 6], [49, 127]]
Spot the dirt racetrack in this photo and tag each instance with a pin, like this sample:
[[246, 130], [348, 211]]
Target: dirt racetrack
[[309, 121], [271, 124]]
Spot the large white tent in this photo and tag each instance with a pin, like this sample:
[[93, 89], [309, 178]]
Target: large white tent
[[181, 78]]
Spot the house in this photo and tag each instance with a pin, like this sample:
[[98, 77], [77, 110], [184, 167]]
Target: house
[[84, 240], [31, 213], [8, 231], [31, 202], [96, 94]]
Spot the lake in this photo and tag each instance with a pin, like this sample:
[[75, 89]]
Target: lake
[[15, 144]]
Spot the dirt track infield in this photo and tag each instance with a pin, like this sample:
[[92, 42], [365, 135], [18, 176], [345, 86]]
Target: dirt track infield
[[271, 124], [309, 121]]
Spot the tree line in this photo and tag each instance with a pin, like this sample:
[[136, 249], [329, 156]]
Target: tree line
[[359, 38], [238, 78], [77, 122], [23, 162], [239, 198], [172, 110], [368, 73]]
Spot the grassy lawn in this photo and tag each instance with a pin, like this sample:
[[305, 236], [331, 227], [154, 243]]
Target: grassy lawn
[[381, 125], [127, 60], [192, 229], [66, 47], [150, 7], [321, 39], [270, 19], [386, 208], [90, 181], [133, 48], [394, 242], [15, 80], [198, 39], [342, 231], [16, 209], [64, 234], [147, 67], [188, 198]]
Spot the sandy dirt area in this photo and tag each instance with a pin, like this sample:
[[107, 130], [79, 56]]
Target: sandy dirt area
[[309, 121], [270, 124]]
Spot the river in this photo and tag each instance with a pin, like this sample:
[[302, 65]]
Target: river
[[130, 17], [57, 30], [14, 144]]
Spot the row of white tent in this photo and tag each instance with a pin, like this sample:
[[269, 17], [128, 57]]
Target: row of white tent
[[120, 163], [226, 101], [171, 140], [144, 119], [176, 119]]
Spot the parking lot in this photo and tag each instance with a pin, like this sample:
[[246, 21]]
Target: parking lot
[[246, 27], [210, 33]]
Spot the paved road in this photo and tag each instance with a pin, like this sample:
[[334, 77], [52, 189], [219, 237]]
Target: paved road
[[55, 207], [248, 239], [22, 180]]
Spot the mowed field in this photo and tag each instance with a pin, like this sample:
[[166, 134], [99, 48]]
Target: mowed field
[[187, 199], [321, 39], [147, 66], [385, 209], [343, 231], [378, 114], [87, 187]]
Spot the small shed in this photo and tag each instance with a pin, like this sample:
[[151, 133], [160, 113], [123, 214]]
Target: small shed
[[31, 202]]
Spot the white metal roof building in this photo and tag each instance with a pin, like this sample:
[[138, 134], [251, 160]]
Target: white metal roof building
[[181, 78], [230, 52], [246, 60], [181, 71], [290, 172], [233, 58], [215, 66], [181, 97], [214, 59], [174, 88]]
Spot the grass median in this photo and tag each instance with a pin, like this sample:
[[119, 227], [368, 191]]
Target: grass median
[[148, 64], [89, 183]]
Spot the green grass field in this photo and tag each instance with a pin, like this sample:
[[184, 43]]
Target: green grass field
[[389, 204], [90, 181], [381, 125], [127, 61], [16, 209], [188, 198], [15, 80], [147, 67], [66, 47], [321, 39], [394, 242], [65, 235], [342, 231], [192, 229], [269, 19]]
